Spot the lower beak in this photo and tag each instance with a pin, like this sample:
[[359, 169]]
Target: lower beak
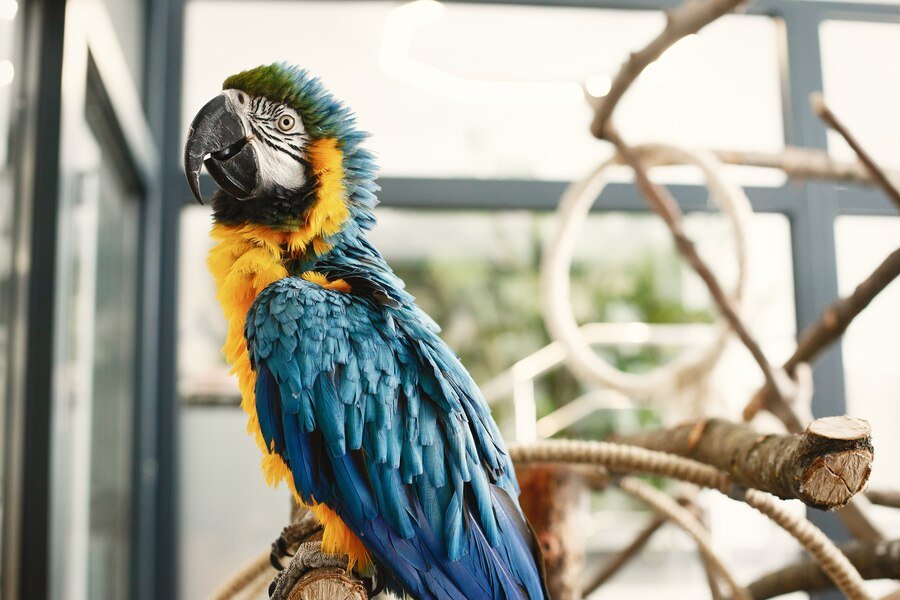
[[218, 140]]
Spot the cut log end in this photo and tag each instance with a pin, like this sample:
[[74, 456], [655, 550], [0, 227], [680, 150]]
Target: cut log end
[[831, 481], [328, 584], [841, 428]]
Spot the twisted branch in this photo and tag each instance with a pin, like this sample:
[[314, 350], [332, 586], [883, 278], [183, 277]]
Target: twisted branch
[[688, 18], [831, 325], [823, 112]]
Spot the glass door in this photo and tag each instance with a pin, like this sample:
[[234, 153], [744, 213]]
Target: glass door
[[98, 282]]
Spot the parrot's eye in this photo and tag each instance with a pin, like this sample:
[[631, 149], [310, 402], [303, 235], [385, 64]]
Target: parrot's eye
[[285, 122], [241, 98]]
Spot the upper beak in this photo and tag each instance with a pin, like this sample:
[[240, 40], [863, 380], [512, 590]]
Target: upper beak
[[218, 140]]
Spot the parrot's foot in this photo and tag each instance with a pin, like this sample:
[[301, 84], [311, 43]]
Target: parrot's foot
[[309, 556], [290, 537]]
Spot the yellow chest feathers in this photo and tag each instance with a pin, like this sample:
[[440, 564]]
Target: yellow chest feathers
[[247, 258], [243, 262]]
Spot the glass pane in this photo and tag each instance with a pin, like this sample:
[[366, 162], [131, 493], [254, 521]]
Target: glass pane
[[8, 24], [870, 347], [98, 284], [113, 387], [228, 515], [862, 86], [462, 90]]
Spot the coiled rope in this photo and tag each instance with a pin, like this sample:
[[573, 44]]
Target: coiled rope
[[690, 366]]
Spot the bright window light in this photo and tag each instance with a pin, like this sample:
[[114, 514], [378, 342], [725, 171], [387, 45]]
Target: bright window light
[[8, 9], [7, 72], [395, 59], [598, 85]]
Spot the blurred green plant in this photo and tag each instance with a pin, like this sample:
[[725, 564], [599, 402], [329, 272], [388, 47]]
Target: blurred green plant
[[489, 310]]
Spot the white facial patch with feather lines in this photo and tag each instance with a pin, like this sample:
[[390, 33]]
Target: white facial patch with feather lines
[[278, 138]]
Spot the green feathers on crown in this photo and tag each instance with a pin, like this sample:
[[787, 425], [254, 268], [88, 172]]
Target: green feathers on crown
[[322, 114]]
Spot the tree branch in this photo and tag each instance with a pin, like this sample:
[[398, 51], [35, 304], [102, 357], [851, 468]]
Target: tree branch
[[688, 18], [665, 206], [835, 319], [823, 112], [884, 497], [831, 325], [879, 560], [824, 467], [804, 163]]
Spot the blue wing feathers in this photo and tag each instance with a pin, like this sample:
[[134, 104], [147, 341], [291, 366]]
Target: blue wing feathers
[[377, 419]]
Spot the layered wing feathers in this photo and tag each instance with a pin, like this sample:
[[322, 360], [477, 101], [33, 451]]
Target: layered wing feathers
[[377, 419]]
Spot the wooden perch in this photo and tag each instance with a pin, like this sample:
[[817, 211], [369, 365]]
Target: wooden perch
[[328, 584], [879, 560], [804, 163], [688, 18], [823, 112], [831, 325], [321, 576], [824, 467]]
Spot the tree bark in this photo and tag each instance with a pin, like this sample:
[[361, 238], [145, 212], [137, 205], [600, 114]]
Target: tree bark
[[884, 497], [554, 498], [824, 467]]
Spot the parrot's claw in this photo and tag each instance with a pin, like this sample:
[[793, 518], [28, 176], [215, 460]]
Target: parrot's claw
[[289, 538], [309, 556]]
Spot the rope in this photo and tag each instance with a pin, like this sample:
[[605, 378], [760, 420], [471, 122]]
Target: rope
[[664, 504], [255, 590], [830, 558], [244, 578], [619, 457], [692, 365]]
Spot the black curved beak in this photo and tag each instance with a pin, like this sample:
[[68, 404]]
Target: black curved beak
[[217, 139]]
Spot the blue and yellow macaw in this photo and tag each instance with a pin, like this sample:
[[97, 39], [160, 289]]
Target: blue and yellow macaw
[[353, 398]]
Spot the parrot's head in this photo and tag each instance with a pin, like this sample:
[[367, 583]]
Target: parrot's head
[[279, 145]]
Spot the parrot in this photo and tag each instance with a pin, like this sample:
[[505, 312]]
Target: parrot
[[353, 397]]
